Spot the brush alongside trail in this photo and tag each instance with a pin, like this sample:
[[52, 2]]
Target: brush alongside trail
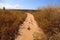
[[28, 28]]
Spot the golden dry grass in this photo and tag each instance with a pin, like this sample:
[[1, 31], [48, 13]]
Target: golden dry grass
[[49, 20], [9, 23]]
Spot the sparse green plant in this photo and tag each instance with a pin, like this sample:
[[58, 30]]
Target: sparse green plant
[[38, 36]]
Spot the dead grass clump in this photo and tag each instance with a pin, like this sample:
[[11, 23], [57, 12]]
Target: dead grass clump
[[9, 24], [49, 20]]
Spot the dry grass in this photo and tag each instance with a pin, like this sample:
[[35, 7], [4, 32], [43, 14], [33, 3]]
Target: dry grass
[[49, 20], [9, 24]]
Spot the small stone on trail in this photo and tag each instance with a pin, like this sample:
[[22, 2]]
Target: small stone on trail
[[28, 28]]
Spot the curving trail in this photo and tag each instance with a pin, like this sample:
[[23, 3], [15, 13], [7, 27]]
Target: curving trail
[[28, 28]]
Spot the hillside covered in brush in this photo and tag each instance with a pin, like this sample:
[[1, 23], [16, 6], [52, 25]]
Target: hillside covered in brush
[[9, 23], [48, 20]]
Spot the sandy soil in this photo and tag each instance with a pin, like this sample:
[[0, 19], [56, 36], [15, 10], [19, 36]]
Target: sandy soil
[[28, 28]]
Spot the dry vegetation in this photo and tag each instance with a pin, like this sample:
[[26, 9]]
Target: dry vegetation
[[9, 23], [49, 20]]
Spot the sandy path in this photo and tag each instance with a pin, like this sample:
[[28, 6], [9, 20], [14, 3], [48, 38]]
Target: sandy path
[[25, 33]]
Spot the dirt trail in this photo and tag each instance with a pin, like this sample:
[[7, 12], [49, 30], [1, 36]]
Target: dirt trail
[[28, 28]]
